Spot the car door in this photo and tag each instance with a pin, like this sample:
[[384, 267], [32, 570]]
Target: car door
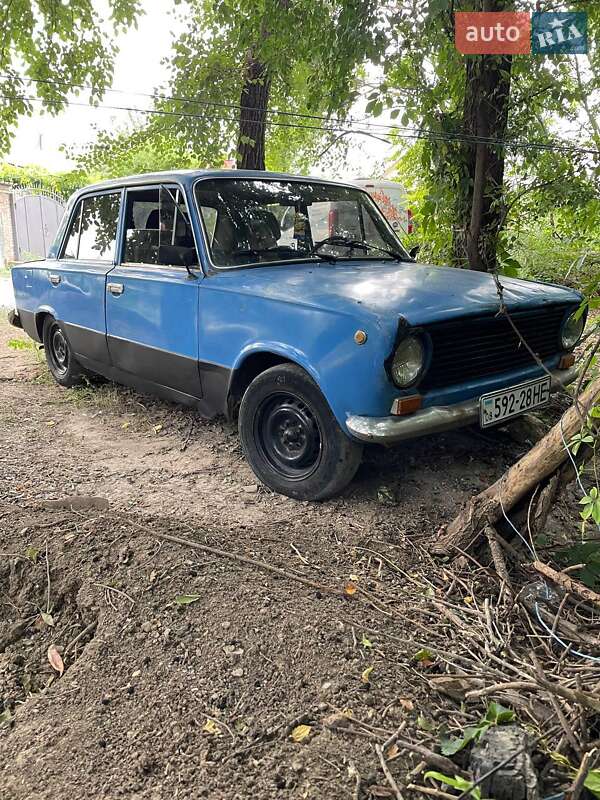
[[75, 283], [152, 294]]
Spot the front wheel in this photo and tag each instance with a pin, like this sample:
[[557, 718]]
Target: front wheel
[[65, 369], [291, 439]]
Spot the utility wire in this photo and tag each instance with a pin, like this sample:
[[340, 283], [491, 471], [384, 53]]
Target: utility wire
[[405, 133], [175, 98], [409, 132]]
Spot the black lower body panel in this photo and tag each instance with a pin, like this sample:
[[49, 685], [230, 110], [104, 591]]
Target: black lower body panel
[[86, 342], [144, 386], [180, 373], [149, 370], [171, 377]]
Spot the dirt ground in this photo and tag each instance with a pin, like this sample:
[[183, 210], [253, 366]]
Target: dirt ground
[[167, 699]]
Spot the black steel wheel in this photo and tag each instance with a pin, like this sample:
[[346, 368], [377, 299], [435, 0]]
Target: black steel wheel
[[288, 436], [58, 351], [59, 356], [291, 439]]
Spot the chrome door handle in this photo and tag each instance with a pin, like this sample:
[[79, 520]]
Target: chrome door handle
[[54, 279], [115, 288]]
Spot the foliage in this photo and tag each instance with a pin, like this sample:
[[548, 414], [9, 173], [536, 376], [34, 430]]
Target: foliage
[[425, 84], [592, 780], [433, 224], [587, 437], [591, 506], [130, 152], [311, 50], [68, 42], [588, 554], [495, 715], [62, 183], [456, 782]]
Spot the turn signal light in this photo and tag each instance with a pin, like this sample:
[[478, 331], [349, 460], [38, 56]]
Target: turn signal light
[[566, 361], [407, 405]]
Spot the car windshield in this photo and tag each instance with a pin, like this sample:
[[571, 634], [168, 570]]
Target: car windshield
[[256, 221]]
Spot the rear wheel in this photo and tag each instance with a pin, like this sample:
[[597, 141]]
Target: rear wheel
[[61, 361], [291, 439]]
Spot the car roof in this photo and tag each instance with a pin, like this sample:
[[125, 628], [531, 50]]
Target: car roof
[[190, 176]]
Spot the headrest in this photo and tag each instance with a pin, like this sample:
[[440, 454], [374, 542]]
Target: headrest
[[263, 224]]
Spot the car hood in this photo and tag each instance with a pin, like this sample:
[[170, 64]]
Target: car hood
[[420, 293]]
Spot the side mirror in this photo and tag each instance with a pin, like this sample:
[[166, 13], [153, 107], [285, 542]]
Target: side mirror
[[413, 252]]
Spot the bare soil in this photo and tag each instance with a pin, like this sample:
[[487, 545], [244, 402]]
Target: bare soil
[[160, 699]]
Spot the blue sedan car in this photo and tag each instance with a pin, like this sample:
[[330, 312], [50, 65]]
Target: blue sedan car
[[290, 304]]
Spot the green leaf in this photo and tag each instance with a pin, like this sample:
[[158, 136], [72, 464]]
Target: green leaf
[[456, 782], [32, 554], [497, 714], [366, 642], [186, 599], [48, 619], [424, 655], [592, 782], [451, 745]]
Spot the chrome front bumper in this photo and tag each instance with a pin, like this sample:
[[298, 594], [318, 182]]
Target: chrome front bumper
[[389, 430]]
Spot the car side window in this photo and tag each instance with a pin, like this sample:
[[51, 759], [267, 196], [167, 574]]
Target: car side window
[[93, 232], [158, 230]]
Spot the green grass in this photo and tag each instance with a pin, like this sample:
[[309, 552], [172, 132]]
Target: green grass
[[21, 344]]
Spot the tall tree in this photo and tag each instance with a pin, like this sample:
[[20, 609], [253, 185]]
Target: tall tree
[[57, 44], [253, 114], [241, 65], [485, 115], [461, 99]]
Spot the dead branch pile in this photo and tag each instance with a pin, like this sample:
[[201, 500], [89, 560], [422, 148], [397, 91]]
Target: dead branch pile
[[531, 645]]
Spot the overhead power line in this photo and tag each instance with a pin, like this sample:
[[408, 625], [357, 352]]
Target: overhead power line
[[402, 131], [193, 101], [405, 133]]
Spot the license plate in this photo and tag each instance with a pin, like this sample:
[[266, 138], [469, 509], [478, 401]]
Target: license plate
[[497, 406]]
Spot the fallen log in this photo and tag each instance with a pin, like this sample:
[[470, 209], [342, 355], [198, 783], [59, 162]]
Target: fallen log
[[535, 466]]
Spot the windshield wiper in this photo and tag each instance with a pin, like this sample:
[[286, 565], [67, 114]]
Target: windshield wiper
[[296, 255], [356, 244]]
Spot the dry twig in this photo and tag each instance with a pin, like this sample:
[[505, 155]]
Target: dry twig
[[388, 775], [566, 582]]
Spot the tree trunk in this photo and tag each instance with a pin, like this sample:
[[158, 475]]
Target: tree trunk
[[485, 115], [535, 466], [253, 115]]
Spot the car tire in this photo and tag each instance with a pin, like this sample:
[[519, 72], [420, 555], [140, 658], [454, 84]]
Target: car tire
[[63, 366], [291, 439]]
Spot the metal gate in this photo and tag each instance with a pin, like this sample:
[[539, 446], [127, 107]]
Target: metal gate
[[37, 215]]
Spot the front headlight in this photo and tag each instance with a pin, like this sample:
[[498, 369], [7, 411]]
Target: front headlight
[[408, 361], [572, 330]]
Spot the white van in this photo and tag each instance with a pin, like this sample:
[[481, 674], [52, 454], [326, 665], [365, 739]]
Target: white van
[[391, 199]]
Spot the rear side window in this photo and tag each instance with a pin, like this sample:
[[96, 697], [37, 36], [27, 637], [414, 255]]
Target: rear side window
[[92, 235], [158, 229]]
